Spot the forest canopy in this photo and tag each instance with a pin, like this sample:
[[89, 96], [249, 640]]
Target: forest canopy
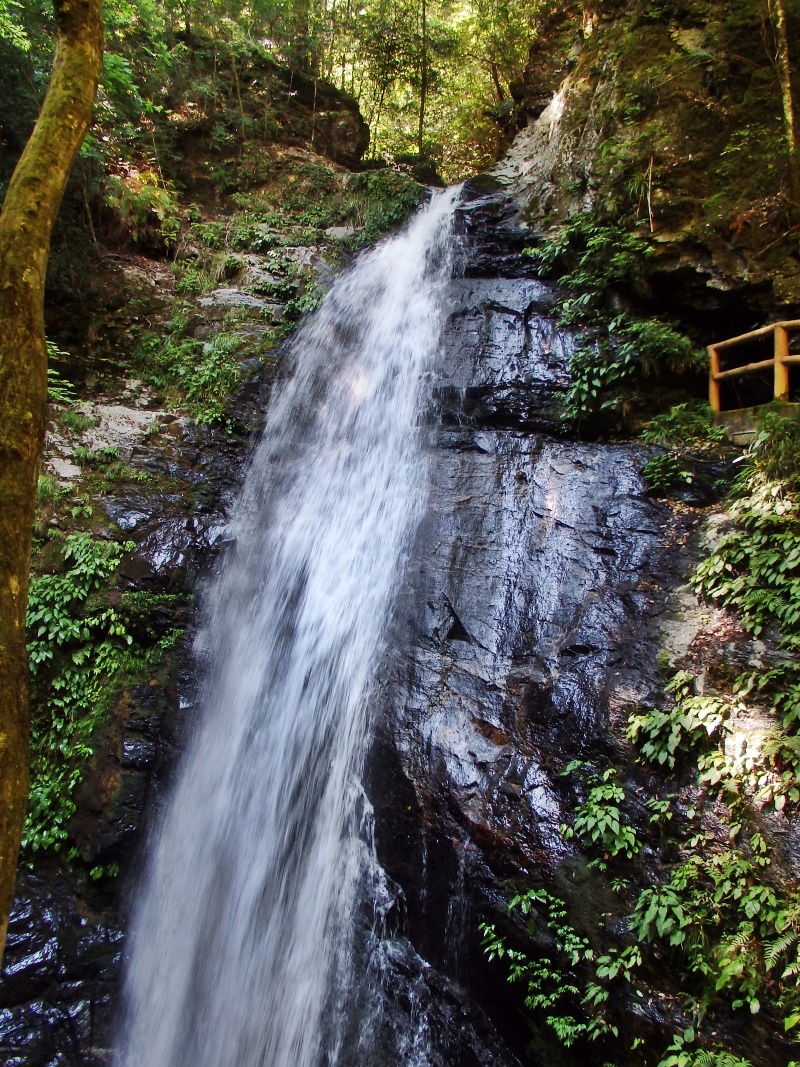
[[431, 77]]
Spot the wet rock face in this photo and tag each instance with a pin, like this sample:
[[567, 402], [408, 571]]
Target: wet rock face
[[529, 617], [525, 620], [60, 977], [504, 362]]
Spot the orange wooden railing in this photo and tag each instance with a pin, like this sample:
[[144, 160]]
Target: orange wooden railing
[[780, 361]]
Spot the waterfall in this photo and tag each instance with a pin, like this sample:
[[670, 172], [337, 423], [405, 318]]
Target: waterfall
[[241, 937]]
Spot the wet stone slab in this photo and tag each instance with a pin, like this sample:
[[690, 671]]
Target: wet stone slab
[[530, 612], [60, 978]]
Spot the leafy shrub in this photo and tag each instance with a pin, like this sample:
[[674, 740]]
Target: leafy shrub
[[374, 202], [599, 821], [655, 347], [662, 473], [305, 304], [146, 206], [740, 934], [590, 255], [680, 1054], [686, 425], [755, 567], [78, 647], [209, 381], [688, 433], [247, 236], [775, 452], [201, 373], [594, 259], [625, 350], [662, 733]]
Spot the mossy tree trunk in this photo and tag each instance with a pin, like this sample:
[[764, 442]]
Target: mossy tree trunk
[[30, 208], [777, 13]]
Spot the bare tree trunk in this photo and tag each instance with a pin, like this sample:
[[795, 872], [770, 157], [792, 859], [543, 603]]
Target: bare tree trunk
[[31, 205], [239, 98], [777, 13], [423, 89], [498, 88]]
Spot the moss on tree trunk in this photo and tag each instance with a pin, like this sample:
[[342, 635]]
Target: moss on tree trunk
[[30, 208], [783, 62]]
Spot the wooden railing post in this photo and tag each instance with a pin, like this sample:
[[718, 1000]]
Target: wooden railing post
[[713, 385], [780, 361], [781, 368]]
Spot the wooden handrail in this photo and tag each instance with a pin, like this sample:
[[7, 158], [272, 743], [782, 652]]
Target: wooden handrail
[[780, 361], [788, 324], [748, 368]]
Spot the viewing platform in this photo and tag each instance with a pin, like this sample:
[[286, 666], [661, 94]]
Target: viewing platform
[[736, 350], [741, 378]]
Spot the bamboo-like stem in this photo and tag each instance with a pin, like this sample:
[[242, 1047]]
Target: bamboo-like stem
[[778, 16]]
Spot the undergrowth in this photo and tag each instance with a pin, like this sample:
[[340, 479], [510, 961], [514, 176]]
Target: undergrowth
[[721, 922], [82, 651], [603, 262], [754, 567], [201, 374], [690, 441], [77, 645]]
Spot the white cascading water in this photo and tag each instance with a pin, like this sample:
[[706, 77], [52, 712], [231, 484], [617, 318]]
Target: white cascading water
[[244, 927]]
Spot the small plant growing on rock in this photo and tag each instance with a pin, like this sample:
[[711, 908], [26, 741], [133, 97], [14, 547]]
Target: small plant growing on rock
[[662, 473], [599, 822], [662, 733], [551, 983], [75, 421], [59, 390]]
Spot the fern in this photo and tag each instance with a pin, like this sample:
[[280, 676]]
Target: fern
[[773, 950]]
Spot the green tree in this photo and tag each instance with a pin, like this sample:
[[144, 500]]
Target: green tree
[[29, 211]]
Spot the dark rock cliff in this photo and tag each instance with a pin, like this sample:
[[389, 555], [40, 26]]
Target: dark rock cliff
[[544, 594], [529, 620]]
